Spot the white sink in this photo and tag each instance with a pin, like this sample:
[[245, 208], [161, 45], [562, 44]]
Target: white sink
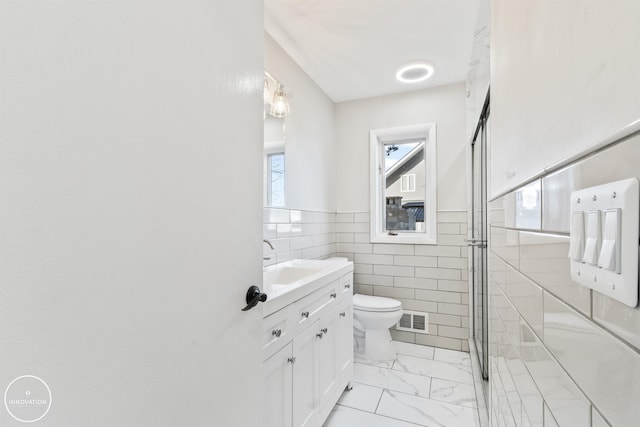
[[287, 275], [289, 281]]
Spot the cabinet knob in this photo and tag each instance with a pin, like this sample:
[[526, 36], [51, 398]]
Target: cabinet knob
[[320, 335], [347, 286], [324, 330], [343, 314], [291, 360], [276, 332], [305, 314], [334, 295]]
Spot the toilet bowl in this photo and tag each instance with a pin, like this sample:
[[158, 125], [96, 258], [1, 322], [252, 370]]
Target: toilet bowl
[[372, 318]]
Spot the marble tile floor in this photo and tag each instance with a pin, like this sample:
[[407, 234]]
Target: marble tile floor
[[425, 386]]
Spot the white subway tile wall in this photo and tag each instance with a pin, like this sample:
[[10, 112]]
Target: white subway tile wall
[[426, 278], [431, 279], [560, 353], [298, 234]]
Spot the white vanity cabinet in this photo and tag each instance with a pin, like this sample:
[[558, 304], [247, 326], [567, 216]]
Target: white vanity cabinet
[[308, 355], [344, 346], [345, 330], [328, 361], [336, 354], [276, 395], [305, 380]]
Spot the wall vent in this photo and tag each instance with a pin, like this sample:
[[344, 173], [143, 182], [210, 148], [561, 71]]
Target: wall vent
[[414, 321]]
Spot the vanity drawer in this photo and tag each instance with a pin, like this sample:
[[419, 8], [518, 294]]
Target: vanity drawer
[[310, 308], [277, 330], [346, 286]]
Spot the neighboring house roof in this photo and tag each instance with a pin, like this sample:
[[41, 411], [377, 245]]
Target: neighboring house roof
[[417, 208], [405, 164]]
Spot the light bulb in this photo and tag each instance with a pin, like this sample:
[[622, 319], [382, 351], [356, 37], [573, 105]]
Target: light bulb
[[279, 104]]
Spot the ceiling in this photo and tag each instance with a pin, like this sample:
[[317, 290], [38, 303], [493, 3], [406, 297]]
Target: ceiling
[[352, 48]]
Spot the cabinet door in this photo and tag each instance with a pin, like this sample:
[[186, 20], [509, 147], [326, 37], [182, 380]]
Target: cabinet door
[[277, 330], [344, 346], [277, 389], [328, 361], [346, 285], [305, 377]]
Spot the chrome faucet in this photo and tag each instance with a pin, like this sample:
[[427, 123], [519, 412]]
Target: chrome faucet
[[267, 258], [268, 243]]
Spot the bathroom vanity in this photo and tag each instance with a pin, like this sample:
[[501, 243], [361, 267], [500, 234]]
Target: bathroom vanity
[[307, 340]]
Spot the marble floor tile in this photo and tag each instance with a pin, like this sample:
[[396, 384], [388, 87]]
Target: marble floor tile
[[361, 396], [425, 386], [453, 392], [426, 412], [452, 356], [434, 368], [404, 382], [380, 364], [422, 351], [341, 416]]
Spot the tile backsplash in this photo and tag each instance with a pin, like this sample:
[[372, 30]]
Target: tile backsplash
[[298, 234], [560, 353]]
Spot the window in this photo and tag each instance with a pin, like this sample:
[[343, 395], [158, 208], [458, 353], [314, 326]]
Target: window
[[275, 179], [408, 183], [403, 185]]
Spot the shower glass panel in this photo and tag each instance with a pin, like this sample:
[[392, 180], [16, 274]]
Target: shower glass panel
[[478, 242]]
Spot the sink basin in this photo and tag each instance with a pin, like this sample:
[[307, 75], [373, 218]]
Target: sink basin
[[287, 275], [291, 280]]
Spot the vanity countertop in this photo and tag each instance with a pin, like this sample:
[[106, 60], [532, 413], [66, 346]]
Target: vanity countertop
[[289, 281]]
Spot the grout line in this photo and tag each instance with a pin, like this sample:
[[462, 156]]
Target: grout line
[[439, 378], [553, 358], [438, 401], [588, 317], [625, 134], [384, 416], [375, 411]]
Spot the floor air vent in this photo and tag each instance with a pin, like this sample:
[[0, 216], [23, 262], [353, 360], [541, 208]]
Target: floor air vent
[[414, 321]]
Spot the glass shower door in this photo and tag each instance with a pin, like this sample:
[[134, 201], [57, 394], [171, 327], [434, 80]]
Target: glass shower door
[[478, 242]]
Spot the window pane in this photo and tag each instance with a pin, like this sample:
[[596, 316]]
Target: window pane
[[275, 187], [404, 191]]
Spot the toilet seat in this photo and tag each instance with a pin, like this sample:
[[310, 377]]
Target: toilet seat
[[375, 304]]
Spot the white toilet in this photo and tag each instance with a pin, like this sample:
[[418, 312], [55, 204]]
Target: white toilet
[[372, 318]]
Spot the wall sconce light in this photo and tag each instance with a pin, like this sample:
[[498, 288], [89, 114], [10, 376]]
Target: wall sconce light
[[279, 104]]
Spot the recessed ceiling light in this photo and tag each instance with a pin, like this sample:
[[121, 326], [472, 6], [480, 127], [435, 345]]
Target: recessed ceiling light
[[414, 72]]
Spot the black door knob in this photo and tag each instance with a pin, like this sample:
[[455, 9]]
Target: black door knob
[[254, 296]]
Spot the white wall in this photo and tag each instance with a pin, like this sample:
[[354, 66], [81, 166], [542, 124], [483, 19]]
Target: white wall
[[564, 76], [310, 135], [564, 79], [124, 257], [398, 270], [444, 105]]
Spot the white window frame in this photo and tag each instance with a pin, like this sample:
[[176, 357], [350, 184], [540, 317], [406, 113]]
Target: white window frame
[[378, 137]]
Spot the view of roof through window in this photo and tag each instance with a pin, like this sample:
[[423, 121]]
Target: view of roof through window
[[396, 151]]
